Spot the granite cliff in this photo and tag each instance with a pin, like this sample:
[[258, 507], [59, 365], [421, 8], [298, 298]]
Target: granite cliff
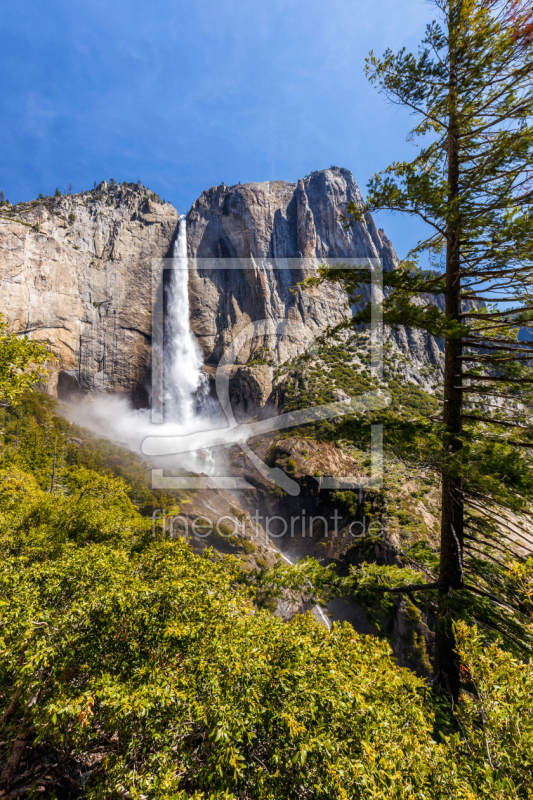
[[77, 271], [292, 225]]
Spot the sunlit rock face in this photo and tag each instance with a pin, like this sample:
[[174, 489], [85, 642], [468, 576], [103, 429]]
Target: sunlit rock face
[[281, 221], [76, 271]]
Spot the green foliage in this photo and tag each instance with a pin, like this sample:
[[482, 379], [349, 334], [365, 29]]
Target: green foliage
[[347, 500], [35, 438], [20, 364], [470, 87], [248, 547], [121, 637], [91, 508], [262, 356], [164, 662], [495, 715], [291, 466], [140, 639], [57, 192], [405, 283]]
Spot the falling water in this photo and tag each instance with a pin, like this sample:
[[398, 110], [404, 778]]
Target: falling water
[[184, 379]]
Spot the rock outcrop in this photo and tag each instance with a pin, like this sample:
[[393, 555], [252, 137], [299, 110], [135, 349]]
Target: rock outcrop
[[290, 224], [76, 271]]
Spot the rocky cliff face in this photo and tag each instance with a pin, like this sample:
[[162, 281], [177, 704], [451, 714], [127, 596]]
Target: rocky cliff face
[[293, 225], [76, 271]]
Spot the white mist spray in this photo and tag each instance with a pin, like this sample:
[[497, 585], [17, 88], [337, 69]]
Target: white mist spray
[[184, 379]]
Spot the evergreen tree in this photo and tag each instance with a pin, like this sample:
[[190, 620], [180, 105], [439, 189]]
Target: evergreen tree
[[58, 193], [471, 88]]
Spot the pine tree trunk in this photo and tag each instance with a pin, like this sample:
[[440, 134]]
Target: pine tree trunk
[[446, 665]]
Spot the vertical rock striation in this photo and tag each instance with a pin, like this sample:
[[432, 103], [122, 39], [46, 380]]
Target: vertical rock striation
[[76, 271], [273, 220]]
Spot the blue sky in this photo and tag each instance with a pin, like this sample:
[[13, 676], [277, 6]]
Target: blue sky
[[184, 95]]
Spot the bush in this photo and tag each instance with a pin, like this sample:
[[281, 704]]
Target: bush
[[20, 364], [130, 646], [496, 716], [149, 654], [156, 649], [347, 500]]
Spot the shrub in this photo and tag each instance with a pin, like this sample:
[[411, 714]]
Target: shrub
[[21, 361], [131, 646], [155, 648], [347, 500]]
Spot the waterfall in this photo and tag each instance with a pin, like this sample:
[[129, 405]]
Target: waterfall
[[186, 395], [184, 379]]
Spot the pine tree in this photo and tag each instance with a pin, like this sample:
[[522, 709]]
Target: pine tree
[[471, 88], [58, 193]]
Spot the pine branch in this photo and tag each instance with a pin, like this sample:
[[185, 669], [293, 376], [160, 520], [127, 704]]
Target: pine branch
[[494, 359], [510, 442], [484, 344], [504, 424], [493, 314], [490, 299], [414, 587], [521, 347], [492, 597], [473, 376]]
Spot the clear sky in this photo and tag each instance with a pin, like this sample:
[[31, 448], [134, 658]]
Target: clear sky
[[184, 95]]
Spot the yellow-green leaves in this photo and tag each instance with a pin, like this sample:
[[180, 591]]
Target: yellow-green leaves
[[21, 361], [152, 649]]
